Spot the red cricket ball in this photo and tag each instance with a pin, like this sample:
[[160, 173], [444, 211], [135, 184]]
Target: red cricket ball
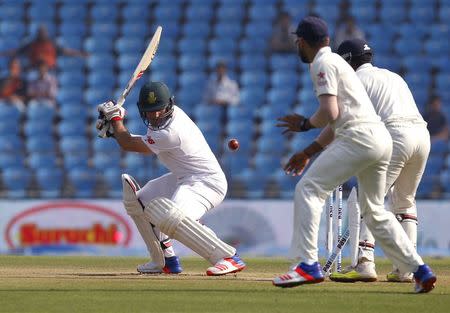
[[233, 144]]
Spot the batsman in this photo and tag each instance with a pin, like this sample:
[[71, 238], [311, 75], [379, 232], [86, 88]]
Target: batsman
[[170, 206]]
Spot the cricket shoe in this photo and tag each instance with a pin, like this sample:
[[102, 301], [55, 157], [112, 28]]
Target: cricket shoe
[[225, 266], [396, 277], [425, 279], [301, 274], [172, 266], [364, 271]]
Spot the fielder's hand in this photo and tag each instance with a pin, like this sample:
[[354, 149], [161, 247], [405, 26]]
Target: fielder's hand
[[294, 123], [296, 164], [111, 111]]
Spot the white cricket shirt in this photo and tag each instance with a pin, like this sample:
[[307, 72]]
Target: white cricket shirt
[[389, 93], [182, 148], [332, 75]]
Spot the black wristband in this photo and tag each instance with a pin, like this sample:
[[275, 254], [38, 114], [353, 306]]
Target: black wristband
[[305, 125]]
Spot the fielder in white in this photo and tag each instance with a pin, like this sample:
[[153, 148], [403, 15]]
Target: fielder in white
[[171, 205], [357, 143], [394, 103]]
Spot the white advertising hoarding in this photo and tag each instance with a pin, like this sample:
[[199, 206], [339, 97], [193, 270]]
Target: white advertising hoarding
[[102, 227]]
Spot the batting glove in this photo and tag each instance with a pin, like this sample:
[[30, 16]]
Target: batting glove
[[104, 128], [111, 111]]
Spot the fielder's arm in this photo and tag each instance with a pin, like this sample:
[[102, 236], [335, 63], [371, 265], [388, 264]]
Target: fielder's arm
[[328, 111], [128, 142]]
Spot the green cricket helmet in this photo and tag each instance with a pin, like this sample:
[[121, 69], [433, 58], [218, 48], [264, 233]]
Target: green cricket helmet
[[155, 96]]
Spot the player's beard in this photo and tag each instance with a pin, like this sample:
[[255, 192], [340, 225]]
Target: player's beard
[[303, 56]]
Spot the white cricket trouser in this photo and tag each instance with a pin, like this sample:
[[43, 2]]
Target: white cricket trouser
[[411, 147], [194, 197], [365, 151]]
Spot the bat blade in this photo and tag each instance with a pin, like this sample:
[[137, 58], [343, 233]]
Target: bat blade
[[144, 63]]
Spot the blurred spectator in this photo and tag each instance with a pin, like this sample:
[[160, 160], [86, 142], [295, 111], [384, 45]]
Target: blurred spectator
[[44, 87], [437, 122], [42, 48], [282, 39], [347, 29], [13, 86], [221, 90]]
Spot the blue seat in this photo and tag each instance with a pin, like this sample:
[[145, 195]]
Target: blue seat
[[282, 62], [17, 29], [70, 94], [253, 181], [422, 13], [12, 11], [136, 127], [416, 63], [103, 60], [169, 77], [260, 29], [228, 30], [262, 12], [363, 12], [135, 11], [73, 11], [9, 112], [265, 147], [254, 78], [74, 144], [168, 11], [49, 181], [83, 180], [234, 163], [11, 160], [230, 12], [390, 11], [41, 12], [106, 146], [39, 160], [188, 99], [135, 29], [10, 141], [71, 79], [16, 182], [192, 45], [437, 47], [203, 11], [221, 45], [250, 46], [438, 149], [135, 160], [40, 111], [129, 45], [105, 12], [75, 160], [72, 28], [102, 79], [192, 80], [164, 63], [283, 77], [196, 63], [113, 182], [417, 79], [103, 29], [40, 144], [198, 29], [249, 62], [38, 128], [93, 96], [98, 45], [253, 95], [68, 63], [103, 160], [227, 57], [282, 94]]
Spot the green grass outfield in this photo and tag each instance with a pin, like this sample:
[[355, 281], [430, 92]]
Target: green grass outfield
[[111, 284]]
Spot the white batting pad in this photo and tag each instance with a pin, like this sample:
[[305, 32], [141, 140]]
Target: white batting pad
[[135, 210], [166, 215], [354, 220]]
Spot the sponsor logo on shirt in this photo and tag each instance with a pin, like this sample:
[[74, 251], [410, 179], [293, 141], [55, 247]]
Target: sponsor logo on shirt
[[321, 81], [150, 140]]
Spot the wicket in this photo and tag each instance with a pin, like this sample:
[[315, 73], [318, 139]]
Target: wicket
[[330, 235]]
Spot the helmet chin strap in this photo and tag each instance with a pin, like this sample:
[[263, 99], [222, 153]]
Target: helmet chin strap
[[161, 121]]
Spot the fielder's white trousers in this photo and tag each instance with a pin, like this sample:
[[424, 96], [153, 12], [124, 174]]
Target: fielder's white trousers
[[411, 147], [363, 151]]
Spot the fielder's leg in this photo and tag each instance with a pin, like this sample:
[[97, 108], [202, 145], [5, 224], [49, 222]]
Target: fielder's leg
[[171, 220], [135, 210]]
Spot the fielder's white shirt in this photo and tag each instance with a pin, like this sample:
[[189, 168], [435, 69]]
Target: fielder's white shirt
[[389, 93], [332, 75], [182, 148]]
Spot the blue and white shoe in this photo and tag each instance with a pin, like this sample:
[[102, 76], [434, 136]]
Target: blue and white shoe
[[172, 266], [425, 279], [229, 265], [301, 274]]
